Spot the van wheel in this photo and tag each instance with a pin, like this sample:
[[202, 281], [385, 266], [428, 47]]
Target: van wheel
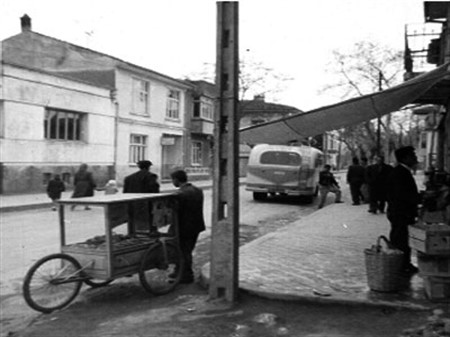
[[308, 199], [259, 196]]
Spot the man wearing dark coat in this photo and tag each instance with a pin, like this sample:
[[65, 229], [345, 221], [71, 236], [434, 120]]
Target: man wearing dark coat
[[356, 178], [142, 181], [376, 177], [190, 219], [54, 189], [403, 200], [84, 184]]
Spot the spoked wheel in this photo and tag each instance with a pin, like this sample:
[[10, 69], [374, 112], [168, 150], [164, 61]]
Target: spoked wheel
[[52, 282], [97, 283], [161, 268]]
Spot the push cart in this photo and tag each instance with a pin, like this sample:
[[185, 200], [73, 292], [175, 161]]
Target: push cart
[[149, 246]]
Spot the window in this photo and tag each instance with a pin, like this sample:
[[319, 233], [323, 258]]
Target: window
[[62, 125], [173, 104], [196, 153], [138, 147], [204, 108], [281, 158], [141, 94]]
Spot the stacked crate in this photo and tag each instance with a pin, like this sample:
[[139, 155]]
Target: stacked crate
[[432, 243]]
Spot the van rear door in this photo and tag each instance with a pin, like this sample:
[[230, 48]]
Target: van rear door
[[277, 170]]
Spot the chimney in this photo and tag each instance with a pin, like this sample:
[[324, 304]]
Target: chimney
[[25, 23], [259, 97]]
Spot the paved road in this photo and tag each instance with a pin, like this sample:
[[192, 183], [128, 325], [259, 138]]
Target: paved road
[[27, 236]]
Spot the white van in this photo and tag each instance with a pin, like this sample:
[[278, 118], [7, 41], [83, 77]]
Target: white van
[[285, 170]]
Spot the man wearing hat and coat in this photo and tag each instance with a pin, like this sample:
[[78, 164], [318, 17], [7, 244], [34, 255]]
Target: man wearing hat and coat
[[403, 200], [142, 181]]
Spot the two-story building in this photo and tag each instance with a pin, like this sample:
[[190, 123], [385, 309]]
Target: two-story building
[[62, 105]]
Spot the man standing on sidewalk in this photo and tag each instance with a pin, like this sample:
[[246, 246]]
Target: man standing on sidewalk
[[403, 200], [355, 178], [190, 219], [327, 184]]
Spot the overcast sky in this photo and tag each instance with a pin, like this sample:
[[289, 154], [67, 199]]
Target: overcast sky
[[176, 37]]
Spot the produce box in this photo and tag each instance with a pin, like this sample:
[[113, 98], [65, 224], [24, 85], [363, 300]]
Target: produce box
[[437, 288], [433, 265], [430, 239]]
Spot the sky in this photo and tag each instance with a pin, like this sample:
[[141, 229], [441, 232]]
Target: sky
[[177, 37]]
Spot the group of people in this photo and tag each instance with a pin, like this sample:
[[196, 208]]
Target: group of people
[[394, 186], [368, 183], [190, 202]]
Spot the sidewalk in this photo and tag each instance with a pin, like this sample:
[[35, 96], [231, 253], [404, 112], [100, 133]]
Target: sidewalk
[[320, 258]]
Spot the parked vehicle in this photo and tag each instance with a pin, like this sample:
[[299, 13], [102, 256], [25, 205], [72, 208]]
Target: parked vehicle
[[284, 170]]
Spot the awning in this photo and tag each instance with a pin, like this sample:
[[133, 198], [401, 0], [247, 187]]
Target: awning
[[347, 113]]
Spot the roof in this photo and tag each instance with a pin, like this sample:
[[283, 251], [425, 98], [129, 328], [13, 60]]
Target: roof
[[103, 61], [258, 105]]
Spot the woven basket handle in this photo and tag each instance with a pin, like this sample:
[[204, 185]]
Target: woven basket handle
[[388, 243]]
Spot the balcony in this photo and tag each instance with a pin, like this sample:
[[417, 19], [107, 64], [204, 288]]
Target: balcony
[[202, 126]]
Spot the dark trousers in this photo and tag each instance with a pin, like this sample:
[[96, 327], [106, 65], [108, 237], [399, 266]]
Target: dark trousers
[[377, 199], [355, 191], [187, 245], [399, 237]]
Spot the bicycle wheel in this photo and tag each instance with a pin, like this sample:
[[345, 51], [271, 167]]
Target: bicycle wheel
[[97, 283], [161, 268], [52, 282]]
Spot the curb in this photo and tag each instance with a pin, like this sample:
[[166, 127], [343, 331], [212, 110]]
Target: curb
[[203, 281]]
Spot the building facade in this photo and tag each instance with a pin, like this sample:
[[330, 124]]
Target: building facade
[[122, 113], [49, 125]]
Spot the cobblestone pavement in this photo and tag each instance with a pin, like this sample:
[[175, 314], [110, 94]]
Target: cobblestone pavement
[[321, 258]]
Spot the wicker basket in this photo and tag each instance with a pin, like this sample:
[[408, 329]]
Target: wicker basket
[[384, 267]]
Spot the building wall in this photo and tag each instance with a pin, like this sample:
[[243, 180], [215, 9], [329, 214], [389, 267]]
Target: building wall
[[155, 126], [27, 156]]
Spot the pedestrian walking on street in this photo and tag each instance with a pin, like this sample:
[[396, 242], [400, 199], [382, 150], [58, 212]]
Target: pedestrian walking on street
[[84, 184], [355, 178], [327, 184], [190, 219], [376, 176], [55, 188], [403, 200]]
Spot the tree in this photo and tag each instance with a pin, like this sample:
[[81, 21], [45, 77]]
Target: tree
[[366, 68], [255, 78]]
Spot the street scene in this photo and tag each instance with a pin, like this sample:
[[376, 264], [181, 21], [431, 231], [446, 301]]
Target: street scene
[[229, 169]]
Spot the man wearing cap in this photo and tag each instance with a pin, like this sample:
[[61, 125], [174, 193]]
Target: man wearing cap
[[403, 200], [142, 181]]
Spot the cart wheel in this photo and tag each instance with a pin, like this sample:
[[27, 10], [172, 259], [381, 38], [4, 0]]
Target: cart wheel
[[97, 283], [161, 268], [52, 282]]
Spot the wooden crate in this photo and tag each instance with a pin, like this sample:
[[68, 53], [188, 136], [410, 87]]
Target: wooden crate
[[433, 265], [437, 288], [430, 239]]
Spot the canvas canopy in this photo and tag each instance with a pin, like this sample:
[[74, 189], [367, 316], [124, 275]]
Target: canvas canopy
[[347, 113]]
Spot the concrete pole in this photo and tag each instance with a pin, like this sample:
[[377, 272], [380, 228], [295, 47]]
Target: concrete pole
[[225, 214]]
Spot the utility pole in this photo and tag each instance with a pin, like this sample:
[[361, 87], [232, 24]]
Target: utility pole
[[225, 214], [380, 78]]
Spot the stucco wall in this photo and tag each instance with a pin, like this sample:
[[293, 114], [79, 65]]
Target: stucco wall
[[154, 126], [26, 154]]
